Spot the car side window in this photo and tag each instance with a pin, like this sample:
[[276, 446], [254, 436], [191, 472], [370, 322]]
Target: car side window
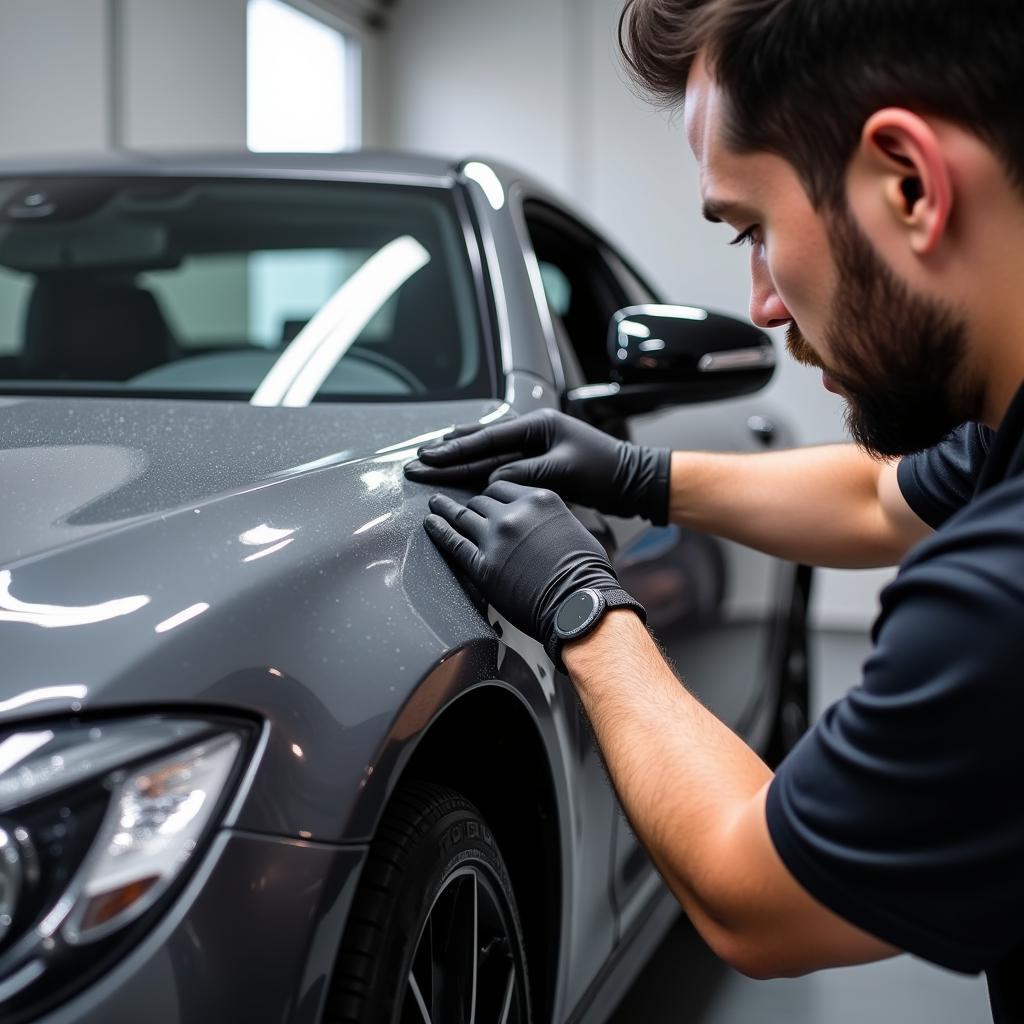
[[638, 291], [582, 290], [557, 289]]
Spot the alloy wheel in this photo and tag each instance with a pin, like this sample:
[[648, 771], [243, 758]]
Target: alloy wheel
[[463, 970]]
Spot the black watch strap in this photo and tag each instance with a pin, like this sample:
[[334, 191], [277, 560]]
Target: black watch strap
[[620, 599], [612, 598]]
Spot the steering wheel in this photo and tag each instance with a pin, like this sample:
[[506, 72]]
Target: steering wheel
[[389, 365]]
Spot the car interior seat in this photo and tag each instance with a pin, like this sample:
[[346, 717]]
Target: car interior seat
[[82, 328], [426, 338]]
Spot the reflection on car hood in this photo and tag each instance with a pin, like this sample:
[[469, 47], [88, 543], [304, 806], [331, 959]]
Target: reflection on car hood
[[264, 563], [73, 468]]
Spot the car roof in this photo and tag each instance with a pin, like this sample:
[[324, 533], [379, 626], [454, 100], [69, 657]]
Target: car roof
[[364, 165]]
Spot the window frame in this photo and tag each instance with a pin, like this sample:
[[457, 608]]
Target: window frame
[[572, 232]]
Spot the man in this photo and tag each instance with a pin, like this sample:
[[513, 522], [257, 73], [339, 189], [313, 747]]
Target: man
[[871, 152]]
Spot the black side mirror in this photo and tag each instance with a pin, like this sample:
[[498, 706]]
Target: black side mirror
[[669, 355]]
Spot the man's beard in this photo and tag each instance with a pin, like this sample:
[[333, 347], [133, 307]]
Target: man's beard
[[899, 358]]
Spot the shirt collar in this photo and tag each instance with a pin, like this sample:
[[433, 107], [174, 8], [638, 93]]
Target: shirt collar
[[1006, 455]]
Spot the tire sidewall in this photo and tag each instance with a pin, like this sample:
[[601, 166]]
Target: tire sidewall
[[458, 839]]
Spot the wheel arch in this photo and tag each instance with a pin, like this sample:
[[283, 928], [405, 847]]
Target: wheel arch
[[487, 745]]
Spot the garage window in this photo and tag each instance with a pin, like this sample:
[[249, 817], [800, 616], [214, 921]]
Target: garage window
[[303, 92]]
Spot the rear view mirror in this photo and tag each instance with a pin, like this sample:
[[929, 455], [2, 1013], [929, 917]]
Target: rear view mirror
[[667, 355]]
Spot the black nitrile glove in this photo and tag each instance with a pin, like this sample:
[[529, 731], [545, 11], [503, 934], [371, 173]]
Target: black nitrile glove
[[549, 449], [523, 550]]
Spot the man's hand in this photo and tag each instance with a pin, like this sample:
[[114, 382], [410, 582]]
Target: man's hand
[[549, 449], [523, 550]]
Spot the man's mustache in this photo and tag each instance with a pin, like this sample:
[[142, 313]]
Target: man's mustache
[[800, 350]]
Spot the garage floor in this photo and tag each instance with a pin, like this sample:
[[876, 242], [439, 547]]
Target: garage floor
[[685, 984]]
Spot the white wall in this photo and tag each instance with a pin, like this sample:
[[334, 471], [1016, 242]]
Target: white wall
[[483, 76], [54, 57], [376, 127], [81, 76], [183, 74], [538, 83]]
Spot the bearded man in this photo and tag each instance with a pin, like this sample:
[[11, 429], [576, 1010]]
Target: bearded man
[[871, 153]]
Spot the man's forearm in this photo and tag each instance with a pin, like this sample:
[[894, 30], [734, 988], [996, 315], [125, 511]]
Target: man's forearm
[[827, 506], [681, 775], [695, 794]]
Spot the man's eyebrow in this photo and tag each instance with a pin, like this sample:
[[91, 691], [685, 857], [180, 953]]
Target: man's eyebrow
[[717, 210]]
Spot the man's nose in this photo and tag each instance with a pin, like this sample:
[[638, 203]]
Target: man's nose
[[766, 307]]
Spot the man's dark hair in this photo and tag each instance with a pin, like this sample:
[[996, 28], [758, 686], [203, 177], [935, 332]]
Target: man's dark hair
[[801, 77]]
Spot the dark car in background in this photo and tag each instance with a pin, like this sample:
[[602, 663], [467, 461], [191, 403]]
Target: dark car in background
[[262, 757]]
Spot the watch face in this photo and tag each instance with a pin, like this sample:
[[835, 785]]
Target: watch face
[[576, 611]]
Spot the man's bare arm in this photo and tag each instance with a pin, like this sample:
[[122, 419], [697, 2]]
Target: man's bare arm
[[695, 795], [832, 506]]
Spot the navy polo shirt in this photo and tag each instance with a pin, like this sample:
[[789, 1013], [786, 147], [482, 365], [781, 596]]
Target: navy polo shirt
[[903, 809]]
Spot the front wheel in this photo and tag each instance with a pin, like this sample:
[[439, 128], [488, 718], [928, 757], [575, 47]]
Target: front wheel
[[434, 935]]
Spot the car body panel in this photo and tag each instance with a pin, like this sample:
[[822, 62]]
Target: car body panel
[[312, 572]]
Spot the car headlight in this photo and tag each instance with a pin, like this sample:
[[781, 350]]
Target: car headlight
[[97, 823]]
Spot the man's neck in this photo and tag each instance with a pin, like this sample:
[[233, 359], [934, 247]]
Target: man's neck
[[1000, 397], [989, 287], [1002, 373]]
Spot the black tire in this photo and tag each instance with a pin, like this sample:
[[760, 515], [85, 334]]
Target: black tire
[[434, 880], [793, 710]]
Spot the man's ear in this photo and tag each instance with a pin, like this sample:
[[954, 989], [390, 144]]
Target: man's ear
[[902, 152]]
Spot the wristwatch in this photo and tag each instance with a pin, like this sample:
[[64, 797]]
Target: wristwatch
[[581, 611]]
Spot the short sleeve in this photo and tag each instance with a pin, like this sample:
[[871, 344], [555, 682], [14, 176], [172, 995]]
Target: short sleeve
[[938, 483], [903, 810]]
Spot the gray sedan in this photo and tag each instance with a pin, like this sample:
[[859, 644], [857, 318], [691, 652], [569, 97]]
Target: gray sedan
[[262, 756]]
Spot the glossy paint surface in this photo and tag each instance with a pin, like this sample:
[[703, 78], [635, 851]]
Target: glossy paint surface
[[271, 564], [314, 591]]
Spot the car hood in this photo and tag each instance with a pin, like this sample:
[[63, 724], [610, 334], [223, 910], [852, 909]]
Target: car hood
[[124, 522], [74, 468], [206, 558]]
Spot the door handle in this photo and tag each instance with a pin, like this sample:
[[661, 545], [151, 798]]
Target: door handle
[[762, 429]]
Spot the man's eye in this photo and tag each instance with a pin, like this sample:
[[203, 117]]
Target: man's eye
[[748, 237]]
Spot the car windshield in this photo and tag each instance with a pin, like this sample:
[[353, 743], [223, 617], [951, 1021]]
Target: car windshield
[[272, 292]]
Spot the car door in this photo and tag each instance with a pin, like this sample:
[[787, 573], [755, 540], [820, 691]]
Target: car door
[[710, 603]]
